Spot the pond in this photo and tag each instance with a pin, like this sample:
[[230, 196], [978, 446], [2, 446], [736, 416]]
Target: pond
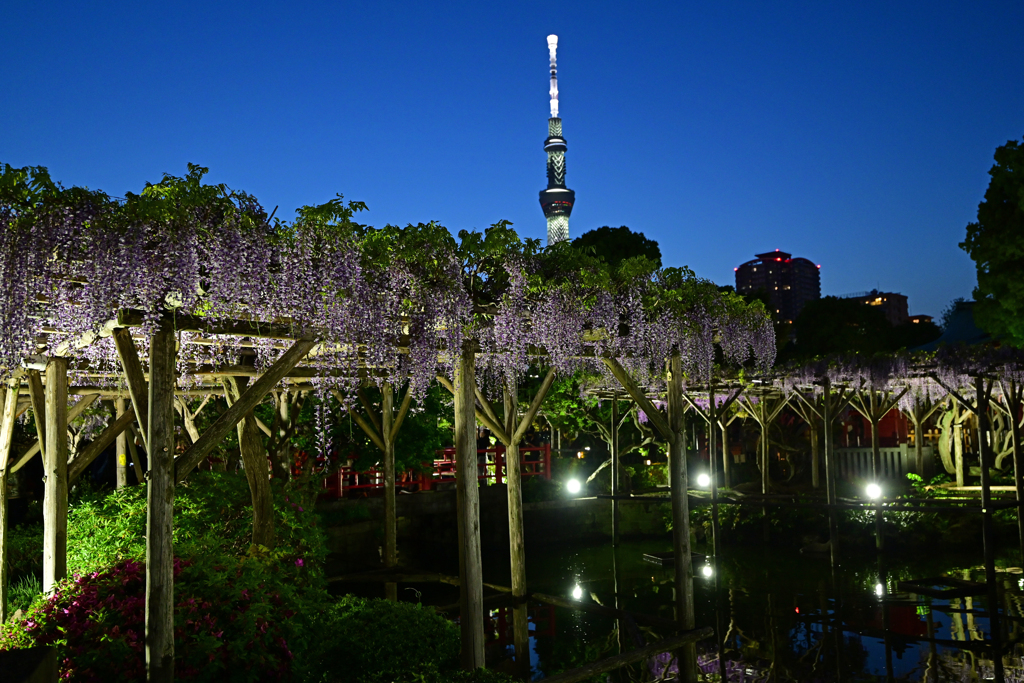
[[778, 611]]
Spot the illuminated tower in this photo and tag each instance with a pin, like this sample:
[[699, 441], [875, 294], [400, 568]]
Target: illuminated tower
[[557, 200]]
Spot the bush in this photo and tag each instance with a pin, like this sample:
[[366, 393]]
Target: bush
[[377, 640], [229, 624], [25, 550], [241, 613]]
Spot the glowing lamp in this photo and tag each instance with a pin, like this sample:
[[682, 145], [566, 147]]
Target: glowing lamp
[[874, 491], [573, 486], [577, 592], [879, 589], [707, 571], [703, 481]]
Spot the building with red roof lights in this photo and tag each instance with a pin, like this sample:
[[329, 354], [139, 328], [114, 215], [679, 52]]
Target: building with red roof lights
[[789, 282]]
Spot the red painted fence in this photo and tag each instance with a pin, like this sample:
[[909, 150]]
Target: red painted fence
[[534, 460]]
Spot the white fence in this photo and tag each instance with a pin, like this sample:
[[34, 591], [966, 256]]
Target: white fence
[[897, 461]]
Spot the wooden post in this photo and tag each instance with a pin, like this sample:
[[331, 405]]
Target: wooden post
[[616, 473], [828, 414], [257, 474], [121, 447], [983, 391], [681, 518], [390, 513], [55, 471], [815, 453], [6, 433], [516, 539], [160, 507], [726, 455], [38, 399], [471, 593], [1013, 405]]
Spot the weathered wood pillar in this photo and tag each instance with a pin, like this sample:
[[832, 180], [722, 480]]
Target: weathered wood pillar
[[121, 447], [160, 507], [1013, 405], [10, 412], [983, 391], [726, 455], [390, 513], [516, 538], [55, 473], [815, 454], [254, 462], [468, 499], [681, 518], [828, 415], [616, 470]]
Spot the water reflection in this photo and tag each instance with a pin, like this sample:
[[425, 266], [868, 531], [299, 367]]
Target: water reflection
[[780, 617]]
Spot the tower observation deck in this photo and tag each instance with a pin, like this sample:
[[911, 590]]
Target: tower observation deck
[[557, 199]]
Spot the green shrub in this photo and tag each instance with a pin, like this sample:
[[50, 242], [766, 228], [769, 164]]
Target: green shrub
[[25, 550], [22, 592], [364, 640]]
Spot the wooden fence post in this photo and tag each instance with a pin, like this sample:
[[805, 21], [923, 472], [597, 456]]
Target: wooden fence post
[[6, 433], [160, 507], [55, 471], [121, 447], [471, 591]]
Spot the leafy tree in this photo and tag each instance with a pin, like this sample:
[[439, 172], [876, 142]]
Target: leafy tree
[[947, 313], [996, 245], [615, 245], [833, 325]]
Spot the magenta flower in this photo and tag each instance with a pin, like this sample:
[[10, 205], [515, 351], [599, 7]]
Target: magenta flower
[[299, 562]]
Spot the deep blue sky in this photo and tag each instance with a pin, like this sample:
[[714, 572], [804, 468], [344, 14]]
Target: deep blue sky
[[857, 136]]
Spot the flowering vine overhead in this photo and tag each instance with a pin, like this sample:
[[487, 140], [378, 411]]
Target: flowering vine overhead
[[390, 304]]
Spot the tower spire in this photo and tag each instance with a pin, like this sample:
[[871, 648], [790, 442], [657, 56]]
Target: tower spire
[[557, 199]]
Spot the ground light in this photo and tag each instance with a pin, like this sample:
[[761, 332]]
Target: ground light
[[703, 481], [874, 491], [573, 486], [879, 589], [577, 592], [707, 571]]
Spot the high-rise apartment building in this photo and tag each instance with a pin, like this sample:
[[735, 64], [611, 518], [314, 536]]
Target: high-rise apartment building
[[789, 282]]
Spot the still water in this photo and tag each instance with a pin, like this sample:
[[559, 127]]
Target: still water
[[784, 616]]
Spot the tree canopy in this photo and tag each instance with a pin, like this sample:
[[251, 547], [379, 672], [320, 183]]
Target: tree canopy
[[995, 242], [615, 245]]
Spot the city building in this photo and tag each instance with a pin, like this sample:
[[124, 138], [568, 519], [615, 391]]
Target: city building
[[557, 199], [789, 282], [921, 319], [892, 305]]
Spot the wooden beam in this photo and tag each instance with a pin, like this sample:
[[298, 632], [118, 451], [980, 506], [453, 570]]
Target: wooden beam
[[55, 473], [402, 411], [160, 507], [686, 639], [531, 412], [73, 413], [253, 395], [113, 431], [136, 379], [35, 391], [481, 416], [634, 391], [6, 436]]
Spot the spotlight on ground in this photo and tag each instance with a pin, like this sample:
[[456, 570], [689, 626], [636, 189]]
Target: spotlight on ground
[[573, 486], [874, 491], [577, 592], [707, 571], [703, 481]]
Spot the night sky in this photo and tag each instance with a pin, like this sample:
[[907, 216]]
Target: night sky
[[859, 136]]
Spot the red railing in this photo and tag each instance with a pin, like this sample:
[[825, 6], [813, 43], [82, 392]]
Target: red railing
[[534, 461]]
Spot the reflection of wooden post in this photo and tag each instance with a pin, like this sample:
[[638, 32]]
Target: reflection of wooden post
[[160, 507], [10, 413], [471, 594], [390, 514], [121, 447], [615, 470], [55, 472]]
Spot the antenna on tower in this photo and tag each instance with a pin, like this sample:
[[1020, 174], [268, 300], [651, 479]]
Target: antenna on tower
[[552, 49]]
